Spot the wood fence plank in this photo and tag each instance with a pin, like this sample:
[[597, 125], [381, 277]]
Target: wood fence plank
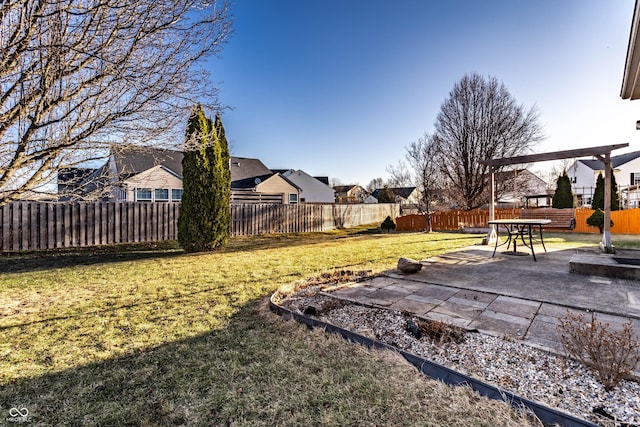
[[58, 219], [82, 224], [16, 225], [136, 219], [6, 227], [104, 221], [51, 225], [24, 226], [117, 230], [130, 221], [34, 222], [164, 222], [42, 225], [66, 220], [174, 221]]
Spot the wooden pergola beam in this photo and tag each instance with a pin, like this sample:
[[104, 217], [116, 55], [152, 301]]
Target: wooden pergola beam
[[556, 155], [602, 153]]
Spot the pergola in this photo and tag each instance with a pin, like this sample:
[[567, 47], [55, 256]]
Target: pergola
[[602, 153]]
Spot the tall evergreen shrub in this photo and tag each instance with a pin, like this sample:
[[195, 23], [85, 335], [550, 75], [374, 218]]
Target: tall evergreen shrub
[[598, 194], [386, 195], [563, 197], [204, 218], [222, 184]]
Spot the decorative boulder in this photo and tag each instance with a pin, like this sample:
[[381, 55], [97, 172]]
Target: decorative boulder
[[409, 266]]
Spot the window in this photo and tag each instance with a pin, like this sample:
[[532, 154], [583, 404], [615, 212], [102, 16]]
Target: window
[[635, 178], [293, 199], [143, 194], [162, 195], [176, 194]]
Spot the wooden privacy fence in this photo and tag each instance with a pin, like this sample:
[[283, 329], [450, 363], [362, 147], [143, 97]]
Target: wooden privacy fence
[[252, 219], [625, 221], [37, 225], [26, 226], [453, 220]]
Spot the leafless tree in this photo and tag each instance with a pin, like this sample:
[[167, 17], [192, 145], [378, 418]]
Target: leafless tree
[[80, 76], [399, 175], [480, 120], [422, 157], [375, 184]]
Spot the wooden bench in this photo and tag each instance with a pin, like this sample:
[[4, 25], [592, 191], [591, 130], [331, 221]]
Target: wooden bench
[[560, 218]]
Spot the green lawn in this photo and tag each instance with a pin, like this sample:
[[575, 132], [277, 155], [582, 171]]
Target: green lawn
[[149, 335]]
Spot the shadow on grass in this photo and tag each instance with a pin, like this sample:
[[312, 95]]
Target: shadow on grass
[[176, 383], [256, 371], [62, 258]]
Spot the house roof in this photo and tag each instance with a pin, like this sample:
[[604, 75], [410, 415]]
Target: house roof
[[344, 188], [134, 160], [249, 182], [616, 161], [131, 161], [283, 172], [74, 175], [243, 168], [403, 192]]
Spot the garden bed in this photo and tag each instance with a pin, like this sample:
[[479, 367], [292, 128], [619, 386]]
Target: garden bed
[[552, 380]]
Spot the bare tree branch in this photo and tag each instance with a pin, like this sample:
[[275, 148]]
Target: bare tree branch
[[399, 175], [421, 156], [80, 76], [480, 120]]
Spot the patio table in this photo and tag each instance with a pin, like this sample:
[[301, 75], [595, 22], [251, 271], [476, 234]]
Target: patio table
[[515, 228]]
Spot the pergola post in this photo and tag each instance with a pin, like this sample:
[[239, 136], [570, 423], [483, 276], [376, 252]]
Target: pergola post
[[491, 235], [607, 246]]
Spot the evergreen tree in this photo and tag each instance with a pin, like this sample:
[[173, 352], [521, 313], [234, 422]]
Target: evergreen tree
[[598, 194], [388, 224], [204, 218], [615, 196], [222, 185], [563, 197], [386, 195]]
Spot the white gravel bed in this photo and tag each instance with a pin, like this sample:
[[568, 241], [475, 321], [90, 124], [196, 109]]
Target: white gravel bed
[[552, 380]]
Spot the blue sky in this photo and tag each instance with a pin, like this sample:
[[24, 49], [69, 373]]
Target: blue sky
[[339, 88]]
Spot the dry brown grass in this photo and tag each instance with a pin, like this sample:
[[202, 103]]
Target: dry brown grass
[[383, 374], [156, 337]]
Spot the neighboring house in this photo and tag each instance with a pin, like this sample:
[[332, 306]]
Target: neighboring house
[[402, 195], [370, 199], [350, 194], [626, 168], [312, 189], [518, 188], [409, 198], [253, 182], [146, 174]]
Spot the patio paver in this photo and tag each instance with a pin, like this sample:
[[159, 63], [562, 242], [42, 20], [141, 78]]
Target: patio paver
[[503, 295]]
